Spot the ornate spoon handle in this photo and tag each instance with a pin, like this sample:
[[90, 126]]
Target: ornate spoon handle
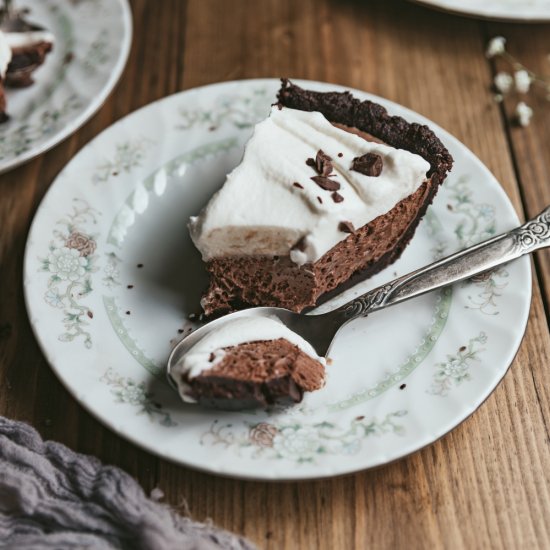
[[481, 257]]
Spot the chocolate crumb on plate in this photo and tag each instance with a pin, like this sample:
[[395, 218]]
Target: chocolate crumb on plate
[[403, 386], [298, 185], [340, 155], [369, 164], [346, 227], [140, 265], [130, 286], [320, 200], [128, 312]]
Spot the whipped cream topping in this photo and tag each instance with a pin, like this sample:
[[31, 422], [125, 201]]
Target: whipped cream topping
[[5, 55], [269, 202], [209, 351], [28, 38]]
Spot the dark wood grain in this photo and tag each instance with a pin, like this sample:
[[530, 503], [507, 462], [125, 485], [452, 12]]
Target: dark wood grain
[[486, 484], [529, 146]]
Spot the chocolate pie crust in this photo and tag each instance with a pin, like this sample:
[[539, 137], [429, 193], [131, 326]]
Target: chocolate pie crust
[[243, 281]]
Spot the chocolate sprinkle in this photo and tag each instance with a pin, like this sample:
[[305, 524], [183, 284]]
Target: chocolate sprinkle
[[346, 227], [325, 183], [370, 164], [300, 245], [320, 200], [298, 185], [336, 197], [340, 155], [322, 163]]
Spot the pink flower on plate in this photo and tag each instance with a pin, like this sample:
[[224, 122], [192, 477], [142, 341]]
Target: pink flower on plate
[[262, 434], [79, 241]]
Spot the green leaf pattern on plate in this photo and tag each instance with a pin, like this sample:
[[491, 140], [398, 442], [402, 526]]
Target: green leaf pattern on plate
[[128, 391], [298, 441], [70, 262], [456, 369]]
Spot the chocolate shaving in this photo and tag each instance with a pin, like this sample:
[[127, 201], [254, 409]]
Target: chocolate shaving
[[346, 227], [212, 357], [336, 197], [298, 185], [325, 183], [369, 164], [320, 200], [322, 163]]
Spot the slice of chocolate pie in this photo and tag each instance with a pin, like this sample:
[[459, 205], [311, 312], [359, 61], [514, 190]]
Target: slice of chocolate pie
[[249, 362], [329, 187]]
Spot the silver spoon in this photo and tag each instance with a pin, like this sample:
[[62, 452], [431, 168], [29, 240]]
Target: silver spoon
[[320, 330]]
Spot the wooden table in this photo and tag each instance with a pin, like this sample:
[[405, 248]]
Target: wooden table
[[486, 484]]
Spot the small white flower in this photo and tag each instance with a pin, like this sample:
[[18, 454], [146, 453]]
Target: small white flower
[[496, 46], [522, 80], [301, 443], [54, 299], [523, 113], [67, 264], [503, 82]]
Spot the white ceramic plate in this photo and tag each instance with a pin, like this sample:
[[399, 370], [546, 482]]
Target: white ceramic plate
[[93, 40], [506, 10], [111, 277]]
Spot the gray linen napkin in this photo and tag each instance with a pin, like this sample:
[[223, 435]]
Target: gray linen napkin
[[51, 497]]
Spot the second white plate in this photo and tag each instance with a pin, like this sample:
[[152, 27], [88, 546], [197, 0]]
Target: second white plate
[[93, 40], [522, 11]]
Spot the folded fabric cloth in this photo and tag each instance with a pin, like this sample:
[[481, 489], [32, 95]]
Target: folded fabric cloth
[[51, 497]]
